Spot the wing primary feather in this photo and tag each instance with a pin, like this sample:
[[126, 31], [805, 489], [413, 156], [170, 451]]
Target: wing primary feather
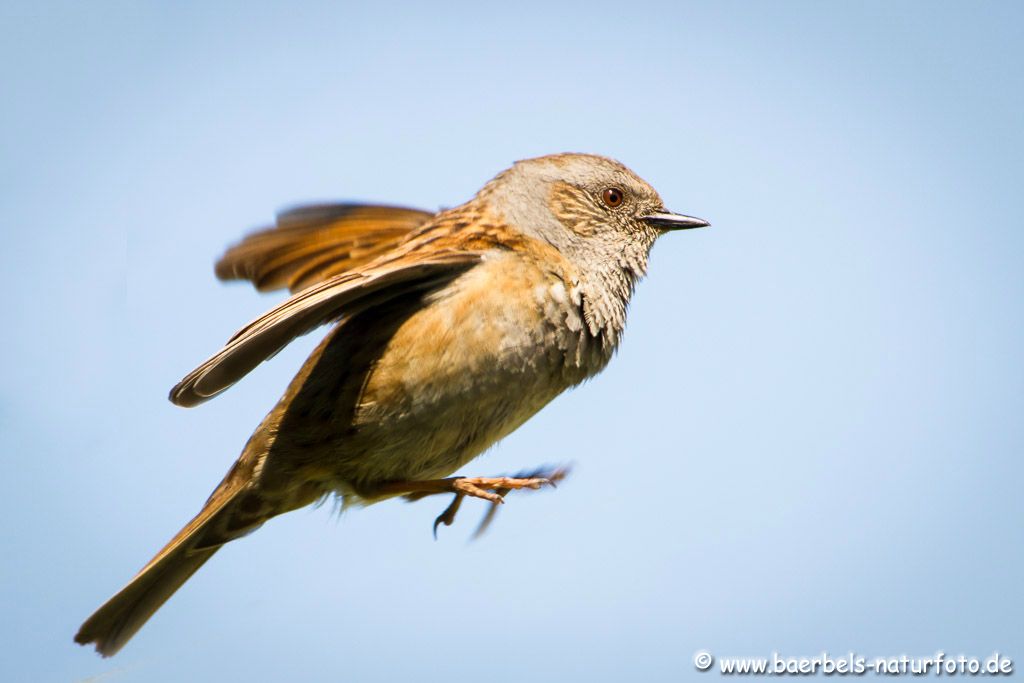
[[319, 304]]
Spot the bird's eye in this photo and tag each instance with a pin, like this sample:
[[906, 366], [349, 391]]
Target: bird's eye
[[613, 197]]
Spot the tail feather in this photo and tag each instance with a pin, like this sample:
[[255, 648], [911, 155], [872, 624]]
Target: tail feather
[[113, 624], [120, 617]]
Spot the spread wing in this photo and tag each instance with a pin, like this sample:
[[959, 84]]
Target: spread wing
[[341, 295], [313, 243]]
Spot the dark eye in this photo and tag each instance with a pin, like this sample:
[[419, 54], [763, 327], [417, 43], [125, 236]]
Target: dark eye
[[613, 197]]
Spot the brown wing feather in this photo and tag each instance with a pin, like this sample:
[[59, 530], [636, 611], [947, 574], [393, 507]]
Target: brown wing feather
[[310, 244], [345, 294]]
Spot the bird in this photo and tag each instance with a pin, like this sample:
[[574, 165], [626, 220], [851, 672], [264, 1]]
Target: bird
[[449, 331]]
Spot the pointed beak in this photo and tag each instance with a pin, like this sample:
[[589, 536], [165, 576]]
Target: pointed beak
[[675, 221]]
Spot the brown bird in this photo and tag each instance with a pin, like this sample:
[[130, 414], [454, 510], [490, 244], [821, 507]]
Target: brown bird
[[452, 329]]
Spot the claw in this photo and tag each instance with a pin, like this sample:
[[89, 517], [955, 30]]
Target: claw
[[448, 516], [485, 523]]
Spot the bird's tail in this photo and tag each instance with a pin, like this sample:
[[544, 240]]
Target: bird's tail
[[113, 624], [220, 521]]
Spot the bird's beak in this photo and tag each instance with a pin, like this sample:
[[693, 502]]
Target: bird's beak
[[674, 221]]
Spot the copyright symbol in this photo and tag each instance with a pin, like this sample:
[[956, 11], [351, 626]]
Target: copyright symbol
[[703, 660]]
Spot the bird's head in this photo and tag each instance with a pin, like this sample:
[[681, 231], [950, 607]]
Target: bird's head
[[602, 218], [588, 206]]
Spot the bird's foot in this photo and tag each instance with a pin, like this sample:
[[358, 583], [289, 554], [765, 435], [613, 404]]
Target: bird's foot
[[491, 489], [494, 490]]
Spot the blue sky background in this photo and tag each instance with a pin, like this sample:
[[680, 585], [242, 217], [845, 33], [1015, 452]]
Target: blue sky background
[[811, 439]]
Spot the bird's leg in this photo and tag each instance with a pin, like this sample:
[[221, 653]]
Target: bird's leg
[[492, 489], [475, 487]]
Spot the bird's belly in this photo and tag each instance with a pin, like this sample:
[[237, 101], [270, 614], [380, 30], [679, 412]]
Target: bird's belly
[[460, 374]]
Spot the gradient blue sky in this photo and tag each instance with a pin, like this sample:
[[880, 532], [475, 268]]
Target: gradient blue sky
[[811, 439]]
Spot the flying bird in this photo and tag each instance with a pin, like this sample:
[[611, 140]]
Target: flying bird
[[450, 330]]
